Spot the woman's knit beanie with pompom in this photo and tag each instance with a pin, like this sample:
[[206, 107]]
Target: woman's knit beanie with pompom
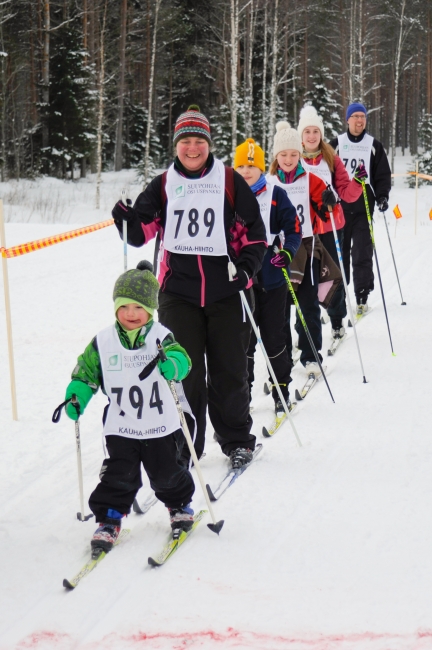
[[192, 123], [310, 117]]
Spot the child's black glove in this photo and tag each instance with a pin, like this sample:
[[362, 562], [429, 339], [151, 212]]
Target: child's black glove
[[328, 198]]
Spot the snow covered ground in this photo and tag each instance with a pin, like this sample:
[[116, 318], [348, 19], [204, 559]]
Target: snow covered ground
[[325, 547]]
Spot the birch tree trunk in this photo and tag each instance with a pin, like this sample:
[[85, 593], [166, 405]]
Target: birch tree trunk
[[3, 105], [429, 65], [118, 155], [100, 107], [150, 96], [234, 14], [250, 30], [273, 85], [396, 84], [264, 81], [360, 52], [45, 71], [294, 69], [351, 50]]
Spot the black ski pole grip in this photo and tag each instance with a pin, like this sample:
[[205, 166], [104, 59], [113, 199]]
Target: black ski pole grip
[[75, 403], [162, 355]]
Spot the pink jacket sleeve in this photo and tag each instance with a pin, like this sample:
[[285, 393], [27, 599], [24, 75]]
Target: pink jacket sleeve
[[348, 190]]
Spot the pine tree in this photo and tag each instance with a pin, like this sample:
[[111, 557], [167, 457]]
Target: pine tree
[[324, 100], [72, 104]]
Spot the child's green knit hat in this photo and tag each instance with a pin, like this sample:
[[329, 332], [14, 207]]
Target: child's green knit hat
[[137, 285]]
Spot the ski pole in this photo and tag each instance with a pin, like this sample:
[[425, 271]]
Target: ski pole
[[339, 253], [232, 272], [80, 515], [394, 261], [125, 202], [376, 260], [305, 327], [55, 419], [215, 526]]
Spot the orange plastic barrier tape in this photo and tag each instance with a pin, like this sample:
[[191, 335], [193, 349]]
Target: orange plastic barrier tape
[[430, 215], [397, 213], [38, 244], [428, 178]]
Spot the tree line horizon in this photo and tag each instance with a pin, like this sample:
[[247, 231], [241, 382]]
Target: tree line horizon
[[88, 85]]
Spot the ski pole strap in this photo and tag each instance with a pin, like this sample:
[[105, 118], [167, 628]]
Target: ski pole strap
[[58, 410], [145, 372], [148, 369]]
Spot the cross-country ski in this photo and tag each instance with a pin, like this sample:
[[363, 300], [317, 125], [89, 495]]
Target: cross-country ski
[[92, 563], [231, 477], [174, 543]]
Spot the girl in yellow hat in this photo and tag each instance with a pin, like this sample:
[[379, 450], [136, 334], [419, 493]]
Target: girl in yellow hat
[[283, 230]]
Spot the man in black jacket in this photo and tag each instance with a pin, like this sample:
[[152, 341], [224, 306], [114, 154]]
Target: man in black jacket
[[354, 147]]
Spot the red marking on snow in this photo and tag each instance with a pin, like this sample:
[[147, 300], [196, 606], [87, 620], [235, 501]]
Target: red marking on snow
[[45, 637], [232, 638]]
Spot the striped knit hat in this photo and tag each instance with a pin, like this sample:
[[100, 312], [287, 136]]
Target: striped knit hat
[[193, 122]]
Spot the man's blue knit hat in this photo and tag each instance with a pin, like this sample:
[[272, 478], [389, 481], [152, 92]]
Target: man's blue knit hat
[[352, 108]]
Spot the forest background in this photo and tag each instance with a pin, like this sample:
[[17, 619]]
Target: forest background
[[92, 85]]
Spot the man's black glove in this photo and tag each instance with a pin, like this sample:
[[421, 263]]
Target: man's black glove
[[382, 204], [328, 198], [121, 211]]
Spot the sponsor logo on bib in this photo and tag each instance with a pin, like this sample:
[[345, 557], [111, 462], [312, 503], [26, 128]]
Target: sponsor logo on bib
[[178, 190], [114, 362]]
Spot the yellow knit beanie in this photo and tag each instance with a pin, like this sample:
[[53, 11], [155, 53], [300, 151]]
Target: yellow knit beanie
[[249, 153]]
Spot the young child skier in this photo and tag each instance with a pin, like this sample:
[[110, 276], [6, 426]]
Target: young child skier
[[141, 422], [312, 265], [270, 287]]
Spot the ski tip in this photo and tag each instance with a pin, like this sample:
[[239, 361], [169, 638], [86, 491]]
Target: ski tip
[[210, 493], [68, 585], [349, 324], [265, 433], [329, 353], [266, 389], [216, 528], [298, 396], [153, 562]]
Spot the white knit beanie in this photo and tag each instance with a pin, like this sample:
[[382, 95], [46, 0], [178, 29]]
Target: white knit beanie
[[286, 138], [310, 117]]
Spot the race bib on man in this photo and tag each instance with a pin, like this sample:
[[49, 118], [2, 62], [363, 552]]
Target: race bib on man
[[353, 154], [195, 213]]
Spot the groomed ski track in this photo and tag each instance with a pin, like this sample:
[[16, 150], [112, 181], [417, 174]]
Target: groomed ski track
[[326, 547]]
